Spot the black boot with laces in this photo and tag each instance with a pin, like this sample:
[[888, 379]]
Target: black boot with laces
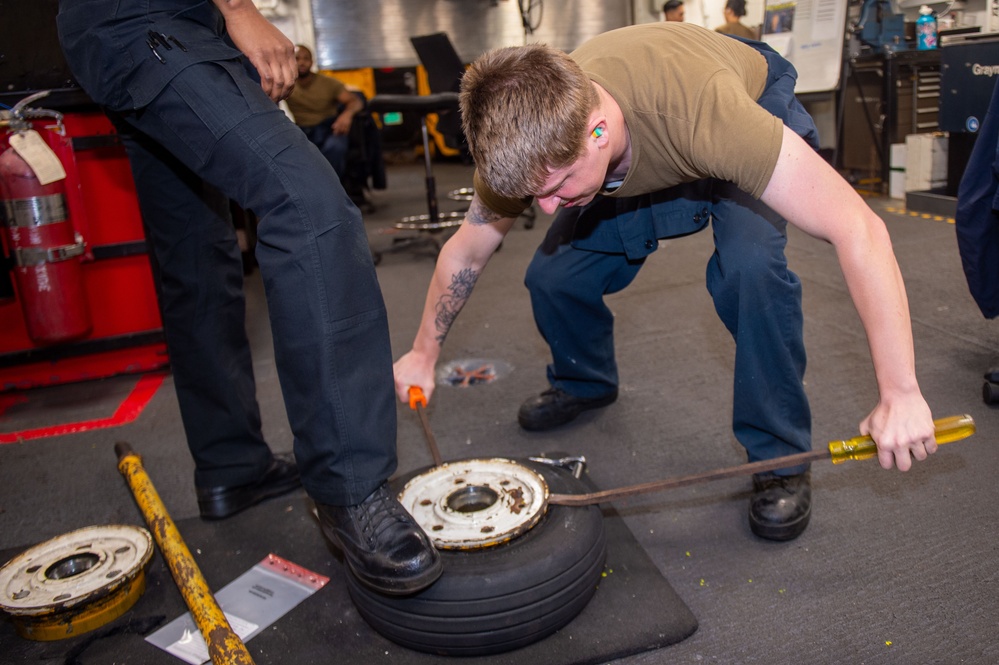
[[383, 545]]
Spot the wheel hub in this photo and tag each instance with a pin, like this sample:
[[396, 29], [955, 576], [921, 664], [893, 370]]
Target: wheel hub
[[476, 503], [75, 582]]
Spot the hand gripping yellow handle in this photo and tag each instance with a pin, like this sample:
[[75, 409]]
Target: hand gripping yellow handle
[[952, 428]]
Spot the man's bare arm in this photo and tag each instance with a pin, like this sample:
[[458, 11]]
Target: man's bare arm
[[352, 105], [269, 51], [462, 282], [811, 195], [451, 302], [479, 214], [459, 265]]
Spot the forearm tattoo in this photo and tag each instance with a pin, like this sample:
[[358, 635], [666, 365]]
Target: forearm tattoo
[[451, 302]]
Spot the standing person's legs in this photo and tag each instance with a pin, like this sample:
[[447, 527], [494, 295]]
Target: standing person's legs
[[334, 147], [330, 325], [328, 318], [199, 277], [759, 300]]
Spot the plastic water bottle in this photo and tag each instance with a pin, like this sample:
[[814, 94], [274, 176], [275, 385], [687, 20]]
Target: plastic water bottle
[[926, 29]]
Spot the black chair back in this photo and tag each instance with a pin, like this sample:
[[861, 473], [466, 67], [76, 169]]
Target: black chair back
[[444, 71], [438, 57]]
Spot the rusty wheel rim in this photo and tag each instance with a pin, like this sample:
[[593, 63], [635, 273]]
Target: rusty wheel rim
[[476, 503]]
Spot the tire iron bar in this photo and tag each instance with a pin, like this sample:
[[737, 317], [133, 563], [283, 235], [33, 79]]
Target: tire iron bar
[[418, 402], [952, 428]]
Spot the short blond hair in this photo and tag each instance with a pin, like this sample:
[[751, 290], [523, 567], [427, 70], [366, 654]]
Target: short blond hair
[[525, 110]]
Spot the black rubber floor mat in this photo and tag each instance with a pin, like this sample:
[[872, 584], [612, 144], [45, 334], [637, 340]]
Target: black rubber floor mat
[[634, 609]]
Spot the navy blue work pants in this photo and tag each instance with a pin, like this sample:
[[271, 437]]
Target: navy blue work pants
[[977, 216], [333, 146], [213, 123], [755, 294], [597, 250]]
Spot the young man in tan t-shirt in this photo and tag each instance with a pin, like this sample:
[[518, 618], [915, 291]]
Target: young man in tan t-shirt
[[649, 132]]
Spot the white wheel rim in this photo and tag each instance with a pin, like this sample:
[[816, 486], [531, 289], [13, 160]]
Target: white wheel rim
[[472, 504]]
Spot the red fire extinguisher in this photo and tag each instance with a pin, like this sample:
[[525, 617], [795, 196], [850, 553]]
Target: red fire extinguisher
[[44, 248]]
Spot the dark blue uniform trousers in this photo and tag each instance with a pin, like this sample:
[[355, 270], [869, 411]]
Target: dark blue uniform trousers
[[977, 217], [212, 122], [599, 249], [333, 146], [191, 111]]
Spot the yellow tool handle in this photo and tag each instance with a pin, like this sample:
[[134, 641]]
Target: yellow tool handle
[[952, 428], [224, 645]]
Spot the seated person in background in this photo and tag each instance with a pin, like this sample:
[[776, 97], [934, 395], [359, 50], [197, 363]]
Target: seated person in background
[[324, 108], [673, 10], [735, 10]]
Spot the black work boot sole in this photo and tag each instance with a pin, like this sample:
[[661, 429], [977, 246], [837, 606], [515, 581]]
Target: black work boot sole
[[407, 587], [382, 544], [780, 507], [782, 532]]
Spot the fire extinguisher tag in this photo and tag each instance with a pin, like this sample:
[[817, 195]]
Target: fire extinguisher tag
[[39, 156]]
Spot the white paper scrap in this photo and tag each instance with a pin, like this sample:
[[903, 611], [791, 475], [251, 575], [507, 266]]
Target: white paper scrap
[[251, 603]]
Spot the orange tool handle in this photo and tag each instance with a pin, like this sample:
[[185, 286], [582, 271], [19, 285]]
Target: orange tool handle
[[416, 396]]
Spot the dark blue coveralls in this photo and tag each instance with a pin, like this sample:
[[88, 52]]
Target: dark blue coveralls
[[976, 220], [598, 249], [193, 112]]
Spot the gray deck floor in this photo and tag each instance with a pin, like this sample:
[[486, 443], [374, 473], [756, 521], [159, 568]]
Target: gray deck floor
[[894, 568]]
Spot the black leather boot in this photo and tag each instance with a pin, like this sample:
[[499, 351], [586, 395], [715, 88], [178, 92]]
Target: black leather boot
[[781, 505], [383, 545], [556, 407], [216, 503]]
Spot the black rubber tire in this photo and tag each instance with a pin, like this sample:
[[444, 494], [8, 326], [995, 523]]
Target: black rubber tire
[[470, 615], [500, 598]]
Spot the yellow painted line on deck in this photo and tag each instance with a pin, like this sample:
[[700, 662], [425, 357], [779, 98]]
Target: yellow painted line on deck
[[921, 215]]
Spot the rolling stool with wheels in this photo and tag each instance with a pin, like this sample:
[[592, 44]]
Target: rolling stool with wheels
[[430, 229]]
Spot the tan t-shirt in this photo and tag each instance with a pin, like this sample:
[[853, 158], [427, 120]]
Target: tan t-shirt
[[312, 103], [688, 96]]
